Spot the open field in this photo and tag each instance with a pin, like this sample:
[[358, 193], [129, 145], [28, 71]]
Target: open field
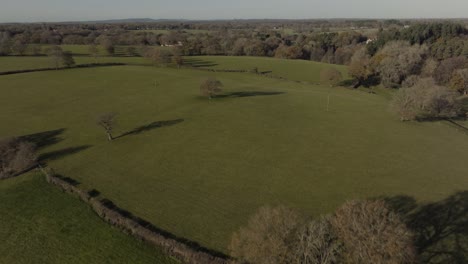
[[40, 224], [33, 62], [200, 168], [297, 70]]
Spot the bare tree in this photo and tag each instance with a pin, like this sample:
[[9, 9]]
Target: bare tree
[[158, 56], [108, 121], [372, 233], [268, 237], [16, 156], [210, 87], [316, 243], [177, 58]]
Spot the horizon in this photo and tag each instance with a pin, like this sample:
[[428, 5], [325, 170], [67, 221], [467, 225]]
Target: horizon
[[156, 20], [50, 11]]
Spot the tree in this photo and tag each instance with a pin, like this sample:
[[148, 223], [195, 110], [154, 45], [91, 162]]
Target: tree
[[425, 99], [67, 59], [15, 156], [108, 45], [158, 56], [19, 47], [56, 54], [211, 87], [316, 243], [267, 238], [5, 43], [108, 121], [94, 51], [360, 66], [177, 58], [459, 81], [372, 233], [446, 68], [331, 76]]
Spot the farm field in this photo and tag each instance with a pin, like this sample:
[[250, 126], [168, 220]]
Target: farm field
[[200, 168], [40, 224]]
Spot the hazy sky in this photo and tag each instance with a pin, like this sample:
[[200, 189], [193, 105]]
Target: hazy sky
[[68, 10]]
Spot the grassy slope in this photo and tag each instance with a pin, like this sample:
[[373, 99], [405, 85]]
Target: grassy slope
[[40, 224], [202, 178]]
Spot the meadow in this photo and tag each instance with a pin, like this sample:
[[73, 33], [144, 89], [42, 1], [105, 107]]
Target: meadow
[[199, 168], [41, 224]]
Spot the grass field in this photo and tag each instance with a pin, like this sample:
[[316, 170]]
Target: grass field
[[29, 62], [297, 70], [205, 170], [40, 224]]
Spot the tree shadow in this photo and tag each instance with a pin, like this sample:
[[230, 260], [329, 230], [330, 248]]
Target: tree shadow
[[441, 228], [247, 94], [44, 139], [59, 154], [198, 63], [151, 126]]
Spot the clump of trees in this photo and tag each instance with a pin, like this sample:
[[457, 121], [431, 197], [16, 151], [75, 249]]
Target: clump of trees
[[16, 155], [358, 232], [425, 100], [108, 122], [211, 87]]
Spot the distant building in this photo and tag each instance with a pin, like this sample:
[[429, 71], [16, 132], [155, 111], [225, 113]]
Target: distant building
[[178, 44]]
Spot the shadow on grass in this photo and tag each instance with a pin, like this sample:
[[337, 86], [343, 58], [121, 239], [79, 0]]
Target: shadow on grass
[[192, 244], [151, 126], [58, 154], [247, 94], [198, 63], [441, 228], [44, 139], [69, 180]]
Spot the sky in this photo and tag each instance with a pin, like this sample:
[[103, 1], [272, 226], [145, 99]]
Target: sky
[[80, 10]]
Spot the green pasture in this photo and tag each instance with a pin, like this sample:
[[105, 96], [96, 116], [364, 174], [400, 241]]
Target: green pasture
[[12, 63], [297, 70], [41, 224], [199, 168]]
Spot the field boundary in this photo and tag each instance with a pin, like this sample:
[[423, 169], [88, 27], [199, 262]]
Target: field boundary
[[182, 249], [91, 65]]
